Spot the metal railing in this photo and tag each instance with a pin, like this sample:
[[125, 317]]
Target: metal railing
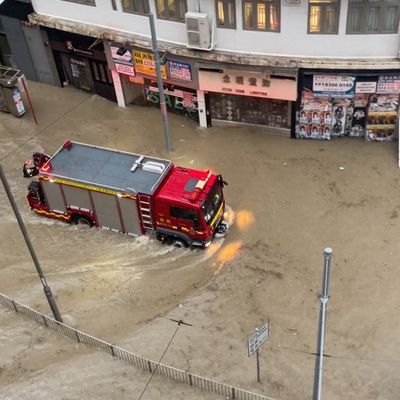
[[166, 371]]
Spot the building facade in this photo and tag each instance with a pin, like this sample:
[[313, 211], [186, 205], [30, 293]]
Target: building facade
[[303, 68]]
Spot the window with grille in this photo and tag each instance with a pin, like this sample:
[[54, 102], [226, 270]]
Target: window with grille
[[373, 16], [226, 13], [174, 10], [262, 15], [136, 6], [323, 16]]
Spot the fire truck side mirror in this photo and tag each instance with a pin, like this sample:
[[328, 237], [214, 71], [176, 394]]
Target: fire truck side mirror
[[221, 181]]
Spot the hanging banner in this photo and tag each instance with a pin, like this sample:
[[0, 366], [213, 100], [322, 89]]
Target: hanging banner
[[333, 85], [144, 64], [388, 84], [180, 71], [181, 101], [123, 62]]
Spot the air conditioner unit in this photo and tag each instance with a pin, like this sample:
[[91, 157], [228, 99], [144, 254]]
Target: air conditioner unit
[[198, 30]]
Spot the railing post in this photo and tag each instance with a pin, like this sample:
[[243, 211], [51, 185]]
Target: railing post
[[149, 365], [190, 380], [233, 392], [77, 336], [44, 320], [15, 306], [112, 350]]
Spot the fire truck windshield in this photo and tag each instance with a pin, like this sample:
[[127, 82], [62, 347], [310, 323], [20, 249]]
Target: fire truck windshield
[[212, 203]]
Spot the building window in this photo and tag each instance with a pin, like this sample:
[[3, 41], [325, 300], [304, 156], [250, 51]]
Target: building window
[[323, 16], [174, 10], [85, 2], [226, 13], [136, 6], [262, 15], [373, 16]]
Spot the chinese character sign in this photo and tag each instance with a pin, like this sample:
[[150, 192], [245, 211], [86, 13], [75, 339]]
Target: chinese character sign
[[144, 64], [180, 71], [333, 85], [388, 84], [123, 62]]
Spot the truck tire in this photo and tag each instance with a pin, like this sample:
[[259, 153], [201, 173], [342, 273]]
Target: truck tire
[[179, 243], [82, 220], [161, 238]]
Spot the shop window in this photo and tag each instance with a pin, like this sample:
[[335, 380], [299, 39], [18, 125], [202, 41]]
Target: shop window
[[174, 10], [323, 16], [101, 72], [373, 16], [262, 15], [226, 14], [85, 2], [250, 110], [136, 6]]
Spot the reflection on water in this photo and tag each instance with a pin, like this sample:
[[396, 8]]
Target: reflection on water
[[244, 219], [227, 254]]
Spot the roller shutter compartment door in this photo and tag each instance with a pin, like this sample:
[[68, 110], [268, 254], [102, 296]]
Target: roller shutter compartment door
[[107, 211], [77, 198], [54, 196], [130, 216]]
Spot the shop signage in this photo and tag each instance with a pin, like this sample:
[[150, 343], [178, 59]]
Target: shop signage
[[123, 63], [177, 100], [365, 87], [248, 84], [389, 84], [333, 85], [144, 64], [180, 71], [74, 49]]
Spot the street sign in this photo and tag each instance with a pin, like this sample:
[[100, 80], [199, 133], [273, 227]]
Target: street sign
[[259, 337]]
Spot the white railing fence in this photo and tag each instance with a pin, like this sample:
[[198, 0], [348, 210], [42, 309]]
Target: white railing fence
[[166, 371]]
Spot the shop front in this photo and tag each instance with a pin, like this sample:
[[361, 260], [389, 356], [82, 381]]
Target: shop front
[[81, 62], [251, 98], [135, 81], [363, 105]]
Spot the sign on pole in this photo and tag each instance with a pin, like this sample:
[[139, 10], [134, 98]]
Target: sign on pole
[[259, 337]]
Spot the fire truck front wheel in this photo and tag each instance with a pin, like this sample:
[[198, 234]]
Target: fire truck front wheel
[[82, 220], [177, 242]]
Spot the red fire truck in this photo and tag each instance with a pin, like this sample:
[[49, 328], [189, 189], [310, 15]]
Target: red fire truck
[[128, 193]]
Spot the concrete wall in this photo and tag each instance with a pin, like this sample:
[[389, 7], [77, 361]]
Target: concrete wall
[[293, 39]]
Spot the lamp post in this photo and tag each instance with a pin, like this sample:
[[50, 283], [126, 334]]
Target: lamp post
[[328, 252], [163, 107], [46, 287]]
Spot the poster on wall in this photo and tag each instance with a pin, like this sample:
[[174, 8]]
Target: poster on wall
[[388, 84], [333, 86], [123, 62], [144, 64], [382, 116], [180, 71], [340, 116], [314, 120], [359, 118]]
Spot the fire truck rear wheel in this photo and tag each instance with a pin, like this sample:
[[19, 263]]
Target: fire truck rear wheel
[[82, 220]]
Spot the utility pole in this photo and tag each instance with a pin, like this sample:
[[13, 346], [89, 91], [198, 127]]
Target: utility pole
[[46, 288], [163, 106], [319, 360]]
